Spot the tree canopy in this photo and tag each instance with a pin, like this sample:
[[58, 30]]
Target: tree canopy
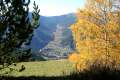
[[97, 33]]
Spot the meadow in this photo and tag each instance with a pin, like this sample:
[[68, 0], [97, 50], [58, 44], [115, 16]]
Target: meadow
[[43, 68]]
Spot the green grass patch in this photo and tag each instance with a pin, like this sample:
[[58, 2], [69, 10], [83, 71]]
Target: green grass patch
[[44, 68]]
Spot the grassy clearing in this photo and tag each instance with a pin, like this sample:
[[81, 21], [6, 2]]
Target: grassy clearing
[[60, 70], [44, 68]]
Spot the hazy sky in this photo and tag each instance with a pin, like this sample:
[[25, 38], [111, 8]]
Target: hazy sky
[[58, 7]]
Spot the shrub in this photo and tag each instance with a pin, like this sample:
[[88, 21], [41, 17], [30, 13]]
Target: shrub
[[96, 72], [85, 61]]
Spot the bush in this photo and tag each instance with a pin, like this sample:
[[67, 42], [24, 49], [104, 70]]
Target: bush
[[97, 73], [95, 66], [84, 61]]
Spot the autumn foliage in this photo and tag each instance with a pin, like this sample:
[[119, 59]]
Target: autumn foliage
[[97, 35]]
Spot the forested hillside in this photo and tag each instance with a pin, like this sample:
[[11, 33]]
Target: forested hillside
[[48, 25], [61, 46]]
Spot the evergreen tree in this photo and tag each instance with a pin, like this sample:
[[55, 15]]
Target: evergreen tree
[[16, 29]]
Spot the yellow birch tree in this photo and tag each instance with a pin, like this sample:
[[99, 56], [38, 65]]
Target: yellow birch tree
[[97, 33]]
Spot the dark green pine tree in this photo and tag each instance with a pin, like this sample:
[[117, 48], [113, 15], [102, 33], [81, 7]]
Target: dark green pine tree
[[16, 30]]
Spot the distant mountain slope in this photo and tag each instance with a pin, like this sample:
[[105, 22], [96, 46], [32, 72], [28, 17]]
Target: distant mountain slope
[[48, 25], [61, 46]]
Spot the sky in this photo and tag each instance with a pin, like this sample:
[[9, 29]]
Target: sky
[[57, 7]]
